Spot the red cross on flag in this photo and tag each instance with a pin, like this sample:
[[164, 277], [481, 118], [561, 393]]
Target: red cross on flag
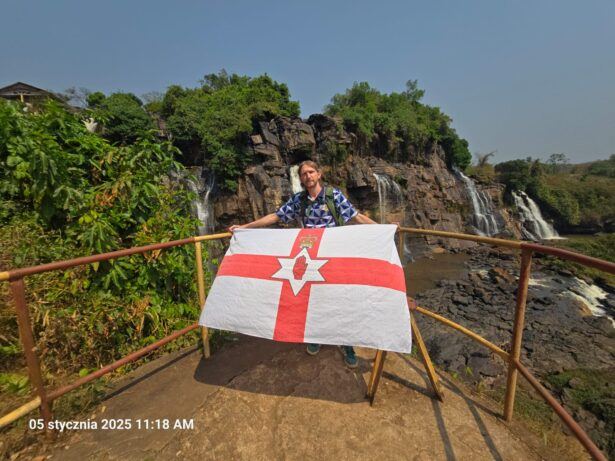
[[340, 286]]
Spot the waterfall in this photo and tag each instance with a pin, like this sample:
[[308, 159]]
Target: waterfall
[[387, 186], [594, 297], [295, 182], [534, 225], [484, 217], [202, 207]]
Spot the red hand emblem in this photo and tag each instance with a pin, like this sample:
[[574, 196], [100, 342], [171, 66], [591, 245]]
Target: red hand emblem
[[299, 268]]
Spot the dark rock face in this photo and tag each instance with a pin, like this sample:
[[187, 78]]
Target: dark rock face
[[422, 192], [560, 332]]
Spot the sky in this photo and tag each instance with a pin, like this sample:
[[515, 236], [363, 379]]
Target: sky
[[523, 78]]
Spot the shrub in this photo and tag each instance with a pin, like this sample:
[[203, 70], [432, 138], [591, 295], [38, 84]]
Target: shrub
[[399, 117]]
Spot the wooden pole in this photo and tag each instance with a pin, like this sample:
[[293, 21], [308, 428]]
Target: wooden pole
[[515, 348], [431, 372], [400, 248], [502, 353], [201, 285], [27, 340], [376, 374]]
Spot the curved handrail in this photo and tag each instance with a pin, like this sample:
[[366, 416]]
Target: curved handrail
[[67, 263], [596, 263], [16, 278]]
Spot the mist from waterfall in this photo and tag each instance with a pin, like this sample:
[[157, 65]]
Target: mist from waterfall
[[295, 182], [202, 206], [533, 224], [483, 218], [387, 187]]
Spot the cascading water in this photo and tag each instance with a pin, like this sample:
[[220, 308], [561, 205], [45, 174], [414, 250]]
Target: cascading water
[[387, 187], [484, 217], [594, 297], [534, 225], [202, 206], [295, 182]]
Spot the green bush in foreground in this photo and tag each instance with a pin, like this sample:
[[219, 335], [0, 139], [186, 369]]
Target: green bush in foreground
[[65, 192]]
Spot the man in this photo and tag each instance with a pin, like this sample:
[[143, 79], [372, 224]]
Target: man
[[316, 206]]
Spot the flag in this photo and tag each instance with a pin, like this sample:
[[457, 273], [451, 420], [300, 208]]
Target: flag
[[340, 285]]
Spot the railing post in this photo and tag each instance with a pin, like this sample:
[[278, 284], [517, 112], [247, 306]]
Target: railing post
[[400, 245], [201, 286], [27, 340], [515, 349]]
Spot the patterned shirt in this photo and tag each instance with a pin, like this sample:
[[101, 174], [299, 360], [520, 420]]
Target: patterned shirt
[[319, 215]]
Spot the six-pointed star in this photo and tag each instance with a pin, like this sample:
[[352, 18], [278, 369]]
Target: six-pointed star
[[311, 273]]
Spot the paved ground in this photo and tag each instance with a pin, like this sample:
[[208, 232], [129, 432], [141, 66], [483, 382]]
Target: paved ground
[[258, 399]]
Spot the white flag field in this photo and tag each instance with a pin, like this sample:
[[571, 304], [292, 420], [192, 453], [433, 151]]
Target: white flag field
[[340, 286]]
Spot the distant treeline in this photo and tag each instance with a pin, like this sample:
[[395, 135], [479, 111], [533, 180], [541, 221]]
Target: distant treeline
[[581, 198], [217, 117]]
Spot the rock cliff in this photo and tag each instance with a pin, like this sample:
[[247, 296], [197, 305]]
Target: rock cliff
[[382, 176]]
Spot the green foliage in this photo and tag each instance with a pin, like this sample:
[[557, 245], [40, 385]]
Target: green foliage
[[557, 163], [65, 192], [125, 118], [95, 99], [593, 391], [603, 167], [483, 171], [153, 102], [573, 199], [334, 153], [599, 246], [399, 117], [518, 175], [219, 116], [44, 158], [14, 383]]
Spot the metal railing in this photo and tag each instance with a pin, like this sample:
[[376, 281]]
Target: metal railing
[[44, 397]]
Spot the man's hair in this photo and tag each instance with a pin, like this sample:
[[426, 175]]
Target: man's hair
[[311, 163]]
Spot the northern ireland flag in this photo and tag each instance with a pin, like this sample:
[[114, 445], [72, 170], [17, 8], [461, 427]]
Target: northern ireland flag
[[340, 286]]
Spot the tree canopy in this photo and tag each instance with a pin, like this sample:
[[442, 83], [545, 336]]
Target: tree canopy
[[125, 119], [400, 117], [220, 115]]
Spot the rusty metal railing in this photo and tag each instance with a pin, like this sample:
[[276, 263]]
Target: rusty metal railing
[[44, 398], [16, 277], [512, 357]]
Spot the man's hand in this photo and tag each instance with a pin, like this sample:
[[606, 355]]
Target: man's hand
[[268, 220]]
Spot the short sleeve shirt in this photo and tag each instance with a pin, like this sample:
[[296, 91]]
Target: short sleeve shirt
[[319, 215]]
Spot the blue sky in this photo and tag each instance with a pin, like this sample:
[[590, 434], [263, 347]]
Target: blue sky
[[522, 78]]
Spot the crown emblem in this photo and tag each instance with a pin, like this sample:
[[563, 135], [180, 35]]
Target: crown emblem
[[308, 241]]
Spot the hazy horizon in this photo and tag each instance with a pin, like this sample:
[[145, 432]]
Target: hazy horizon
[[522, 80]]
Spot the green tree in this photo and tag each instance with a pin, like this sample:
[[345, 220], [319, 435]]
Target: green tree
[[95, 99], [125, 119], [219, 117], [399, 117], [558, 162]]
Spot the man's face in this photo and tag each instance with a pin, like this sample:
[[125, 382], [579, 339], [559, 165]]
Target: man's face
[[309, 176]]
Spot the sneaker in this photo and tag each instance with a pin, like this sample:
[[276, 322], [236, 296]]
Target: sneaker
[[350, 359], [313, 349]]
